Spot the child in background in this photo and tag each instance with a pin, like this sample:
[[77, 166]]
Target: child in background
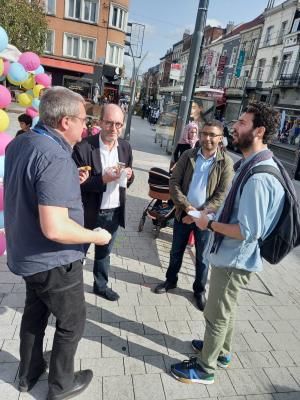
[[25, 122]]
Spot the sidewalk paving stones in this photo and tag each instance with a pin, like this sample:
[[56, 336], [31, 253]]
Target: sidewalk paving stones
[[130, 344]]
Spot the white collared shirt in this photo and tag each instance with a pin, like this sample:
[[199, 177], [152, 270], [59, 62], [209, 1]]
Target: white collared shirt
[[109, 158]]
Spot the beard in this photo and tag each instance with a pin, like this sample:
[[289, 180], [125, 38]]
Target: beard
[[245, 140]]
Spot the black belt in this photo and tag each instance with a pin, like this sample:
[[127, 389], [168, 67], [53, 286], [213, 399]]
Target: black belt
[[108, 210]]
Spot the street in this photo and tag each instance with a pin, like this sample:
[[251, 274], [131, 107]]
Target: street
[[131, 344]]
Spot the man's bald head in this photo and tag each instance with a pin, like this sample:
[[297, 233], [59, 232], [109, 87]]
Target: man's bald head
[[109, 109]]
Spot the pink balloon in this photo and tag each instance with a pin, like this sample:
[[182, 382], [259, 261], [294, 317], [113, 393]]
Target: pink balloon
[[4, 140], [29, 60], [6, 67], [1, 197], [43, 79], [5, 97], [31, 112], [2, 243]]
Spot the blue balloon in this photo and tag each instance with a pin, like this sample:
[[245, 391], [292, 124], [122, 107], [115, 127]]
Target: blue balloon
[[35, 121], [30, 92], [17, 72], [35, 104], [3, 39], [2, 166], [39, 70], [1, 219]]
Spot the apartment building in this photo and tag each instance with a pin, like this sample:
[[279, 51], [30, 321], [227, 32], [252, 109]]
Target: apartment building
[[85, 45]]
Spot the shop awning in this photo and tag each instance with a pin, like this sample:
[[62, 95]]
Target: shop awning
[[68, 65]]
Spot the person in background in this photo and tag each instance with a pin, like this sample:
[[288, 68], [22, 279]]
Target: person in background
[[188, 140], [25, 122]]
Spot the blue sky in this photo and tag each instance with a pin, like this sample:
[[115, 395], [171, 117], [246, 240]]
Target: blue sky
[[166, 21]]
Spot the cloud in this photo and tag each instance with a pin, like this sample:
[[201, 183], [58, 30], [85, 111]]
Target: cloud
[[215, 22]]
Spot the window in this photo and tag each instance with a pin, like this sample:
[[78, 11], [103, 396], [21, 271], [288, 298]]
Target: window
[[233, 56], [85, 10], [118, 17], [285, 64], [50, 7], [252, 49], [79, 47], [228, 79], [282, 32], [272, 68], [49, 47], [260, 69], [114, 54], [268, 37]]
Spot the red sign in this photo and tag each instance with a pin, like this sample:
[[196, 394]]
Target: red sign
[[221, 66]]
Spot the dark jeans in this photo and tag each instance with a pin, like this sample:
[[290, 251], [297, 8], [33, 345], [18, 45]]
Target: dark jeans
[[181, 233], [60, 292], [109, 220]]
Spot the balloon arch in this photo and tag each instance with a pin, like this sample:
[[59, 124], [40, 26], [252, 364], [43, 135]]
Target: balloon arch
[[23, 70]]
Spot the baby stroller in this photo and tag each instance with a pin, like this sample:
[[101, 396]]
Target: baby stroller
[[161, 208]]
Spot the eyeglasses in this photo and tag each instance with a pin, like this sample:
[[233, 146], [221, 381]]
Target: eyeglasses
[[83, 120], [110, 124], [210, 134]]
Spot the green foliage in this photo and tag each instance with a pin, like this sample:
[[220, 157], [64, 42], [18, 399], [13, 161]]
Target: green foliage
[[25, 23]]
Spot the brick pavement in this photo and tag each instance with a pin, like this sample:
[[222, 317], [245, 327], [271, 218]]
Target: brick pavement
[[131, 344]]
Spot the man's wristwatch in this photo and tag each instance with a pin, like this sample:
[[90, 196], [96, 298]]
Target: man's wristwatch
[[209, 227]]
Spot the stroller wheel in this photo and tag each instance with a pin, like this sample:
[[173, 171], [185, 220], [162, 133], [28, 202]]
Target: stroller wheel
[[156, 231], [141, 224]]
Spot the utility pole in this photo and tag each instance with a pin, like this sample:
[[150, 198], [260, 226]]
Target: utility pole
[[191, 71]]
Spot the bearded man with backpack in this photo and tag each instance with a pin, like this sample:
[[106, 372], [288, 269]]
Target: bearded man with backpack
[[260, 217]]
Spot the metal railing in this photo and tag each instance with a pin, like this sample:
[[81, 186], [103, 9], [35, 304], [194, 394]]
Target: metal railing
[[289, 80]]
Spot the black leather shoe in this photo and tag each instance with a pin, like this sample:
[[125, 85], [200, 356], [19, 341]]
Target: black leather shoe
[[200, 300], [82, 380], [25, 385], [164, 287], [107, 294]]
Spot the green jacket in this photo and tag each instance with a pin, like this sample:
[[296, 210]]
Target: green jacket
[[220, 177]]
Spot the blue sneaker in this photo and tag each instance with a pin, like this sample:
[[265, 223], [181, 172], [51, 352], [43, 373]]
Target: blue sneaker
[[222, 362], [189, 371]]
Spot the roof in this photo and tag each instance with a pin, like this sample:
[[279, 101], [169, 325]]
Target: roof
[[247, 25]]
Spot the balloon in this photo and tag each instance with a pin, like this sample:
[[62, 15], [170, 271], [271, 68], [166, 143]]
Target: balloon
[[29, 83], [43, 79], [5, 97], [15, 83], [1, 219], [39, 70], [17, 72], [24, 99], [35, 121], [36, 90], [6, 67], [1, 197], [29, 60], [4, 140], [1, 66], [3, 39], [31, 111], [29, 92], [2, 243], [4, 121], [35, 104], [2, 166]]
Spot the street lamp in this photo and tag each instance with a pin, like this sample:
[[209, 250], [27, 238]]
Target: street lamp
[[134, 45]]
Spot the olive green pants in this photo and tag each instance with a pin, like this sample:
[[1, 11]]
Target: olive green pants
[[224, 287]]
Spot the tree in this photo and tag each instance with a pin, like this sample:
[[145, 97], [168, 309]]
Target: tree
[[25, 23]]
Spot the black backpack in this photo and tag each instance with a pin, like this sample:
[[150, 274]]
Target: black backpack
[[286, 234]]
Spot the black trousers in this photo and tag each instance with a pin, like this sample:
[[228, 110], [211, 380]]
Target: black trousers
[[60, 292]]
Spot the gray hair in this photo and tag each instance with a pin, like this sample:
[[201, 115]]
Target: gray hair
[[58, 102]]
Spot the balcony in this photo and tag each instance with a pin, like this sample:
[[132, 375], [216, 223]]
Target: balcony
[[288, 80], [254, 84]]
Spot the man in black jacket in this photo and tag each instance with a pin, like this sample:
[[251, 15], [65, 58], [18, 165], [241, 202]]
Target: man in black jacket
[[102, 195]]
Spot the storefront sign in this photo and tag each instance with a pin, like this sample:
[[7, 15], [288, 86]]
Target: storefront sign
[[175, 71], [240, 63]]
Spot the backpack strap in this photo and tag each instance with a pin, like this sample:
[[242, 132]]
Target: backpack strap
[[263, 169]]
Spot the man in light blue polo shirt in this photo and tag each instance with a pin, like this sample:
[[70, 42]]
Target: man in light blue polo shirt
[[233, 250]]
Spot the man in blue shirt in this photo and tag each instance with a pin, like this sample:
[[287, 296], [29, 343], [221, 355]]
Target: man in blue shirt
[[45, 237], [233, 248], [200, 180]]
